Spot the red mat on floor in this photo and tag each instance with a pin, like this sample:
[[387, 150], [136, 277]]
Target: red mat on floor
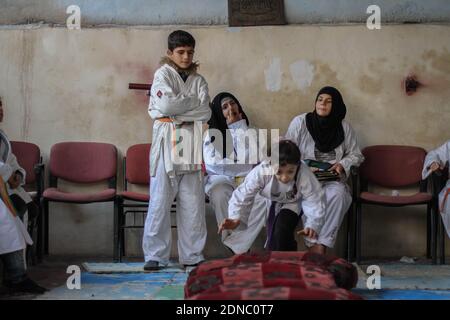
[[273, 275]]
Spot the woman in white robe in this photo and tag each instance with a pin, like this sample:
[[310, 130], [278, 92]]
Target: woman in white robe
[[324, 135], [226, 169]]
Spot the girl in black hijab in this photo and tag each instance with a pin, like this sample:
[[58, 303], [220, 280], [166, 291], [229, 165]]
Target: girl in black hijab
[[327, 131], [224, 173], [222, 117], [323, 135]]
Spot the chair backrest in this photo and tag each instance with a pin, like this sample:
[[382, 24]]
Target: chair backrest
[[28, 155], [392, 166], [83, 162], [137, 164]]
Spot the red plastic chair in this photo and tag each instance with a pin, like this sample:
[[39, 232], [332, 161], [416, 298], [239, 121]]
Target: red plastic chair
[[394, 167], [29, 158], [82, 163], [135, 171]]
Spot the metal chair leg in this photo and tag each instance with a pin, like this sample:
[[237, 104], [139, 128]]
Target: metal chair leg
[[429, 233], [350, 233], [358, 233], [442, 240], [431, 236], [45, 207], [122, 220], [40, 234], [116, 230]]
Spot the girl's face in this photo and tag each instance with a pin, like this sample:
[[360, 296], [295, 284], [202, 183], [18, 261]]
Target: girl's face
[[286, 173], [323, 105], [230, 111]]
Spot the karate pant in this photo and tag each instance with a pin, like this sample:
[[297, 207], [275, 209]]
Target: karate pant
[[241, 239], [190, 217], [444, 204], [338, 201]]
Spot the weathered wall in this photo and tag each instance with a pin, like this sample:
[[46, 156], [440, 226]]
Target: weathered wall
[[61, 85], [214, 12]]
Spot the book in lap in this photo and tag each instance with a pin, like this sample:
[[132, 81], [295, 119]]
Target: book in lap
[[322, 174]]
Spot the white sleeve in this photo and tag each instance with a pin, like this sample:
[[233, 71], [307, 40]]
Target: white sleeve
[[202, 111], [213, 158], [440, 155], [242, 199], [165, 101], [12, 162], [5, 171], [293, 132], [352, 154], [313, 202]]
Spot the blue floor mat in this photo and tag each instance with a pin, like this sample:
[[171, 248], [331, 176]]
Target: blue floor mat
[[123, 286], [403, 294]]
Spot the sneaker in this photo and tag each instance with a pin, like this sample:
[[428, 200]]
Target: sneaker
[[152, 265], [26, 286]]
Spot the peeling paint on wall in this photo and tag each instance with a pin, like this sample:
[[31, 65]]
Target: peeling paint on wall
[[273, 75], [302, 73]]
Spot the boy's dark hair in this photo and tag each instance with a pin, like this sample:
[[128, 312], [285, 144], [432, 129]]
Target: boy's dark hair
[[288, 153], [180, 38]]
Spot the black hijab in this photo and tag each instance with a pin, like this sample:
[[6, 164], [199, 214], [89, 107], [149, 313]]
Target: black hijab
[[328, 132], [218, 121]]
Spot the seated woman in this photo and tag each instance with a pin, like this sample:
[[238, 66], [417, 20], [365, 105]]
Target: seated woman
[[436, 160], [325, 136], [228, 129]]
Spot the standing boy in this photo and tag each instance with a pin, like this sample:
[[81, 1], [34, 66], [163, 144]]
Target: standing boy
[[179, 101]]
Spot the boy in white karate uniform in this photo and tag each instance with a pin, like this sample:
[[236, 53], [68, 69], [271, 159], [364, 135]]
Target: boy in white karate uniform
[[179, 104], [293, 190]]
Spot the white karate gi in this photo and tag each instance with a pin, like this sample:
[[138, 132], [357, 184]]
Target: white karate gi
[[337, 193], [222, 180], [13, 233], [309, 197], [440, 155], [184, 103]]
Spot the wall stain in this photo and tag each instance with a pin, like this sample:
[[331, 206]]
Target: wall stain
[[438, 61], [325, 75], [137, 73], [370, 84]]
